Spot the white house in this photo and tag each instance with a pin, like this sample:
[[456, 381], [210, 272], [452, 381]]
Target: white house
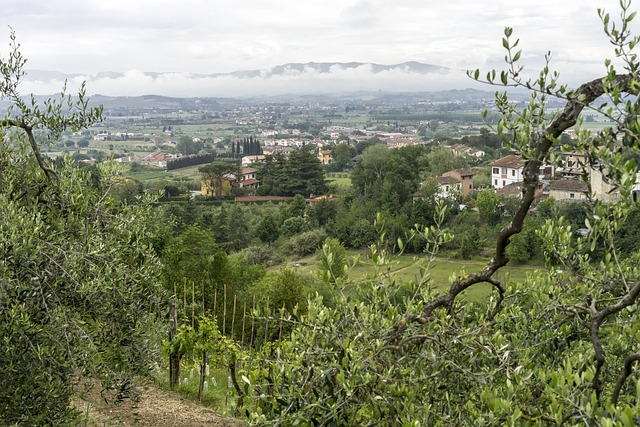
[[509, 170], [449, 186], [505, 171]]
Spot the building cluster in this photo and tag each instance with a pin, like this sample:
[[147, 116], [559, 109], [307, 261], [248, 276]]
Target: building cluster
[[574, 179]]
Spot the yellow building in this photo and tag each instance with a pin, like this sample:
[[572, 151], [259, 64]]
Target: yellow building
[[218, 187]]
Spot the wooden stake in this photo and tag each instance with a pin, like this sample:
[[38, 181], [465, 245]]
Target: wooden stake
[[224, 311], [233, 316], [244, 317], [266, 325], [253, 321], [215, 306]]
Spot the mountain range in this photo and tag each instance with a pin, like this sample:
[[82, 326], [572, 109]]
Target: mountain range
[[278, 70], [290, 78]]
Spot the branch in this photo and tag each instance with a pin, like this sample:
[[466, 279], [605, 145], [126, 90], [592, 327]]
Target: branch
[[50, 173], [576, 102], [597, 319], [624, 374]]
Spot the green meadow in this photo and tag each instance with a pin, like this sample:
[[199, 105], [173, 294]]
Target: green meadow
[[441, 272]]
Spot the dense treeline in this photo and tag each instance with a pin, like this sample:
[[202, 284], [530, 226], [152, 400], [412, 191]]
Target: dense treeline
[[192, 160], [459, 118], [250, 147]]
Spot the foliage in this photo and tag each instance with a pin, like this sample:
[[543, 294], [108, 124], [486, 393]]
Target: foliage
[[560, 348], [79, 288], [215, 174], [262, 256], [488, 204], [306, 243], [329, 370], [292, 226], [333, 261], [283, 290], [342, 154], [299, 173], [192, 160], [186, 145], [268, 230]]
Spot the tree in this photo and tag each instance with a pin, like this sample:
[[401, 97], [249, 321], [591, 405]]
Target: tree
[[186, 145], [559, 348], [300, 173], [342, 154], [214, 176], [441, 159], [370, 169], [303, 174], [488, 204], [268, 230], [78, 293], [297, 207]]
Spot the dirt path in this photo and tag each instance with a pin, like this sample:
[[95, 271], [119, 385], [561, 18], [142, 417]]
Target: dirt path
[[156, 408]]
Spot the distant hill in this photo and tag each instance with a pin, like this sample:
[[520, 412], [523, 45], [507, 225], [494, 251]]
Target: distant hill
[[278, 70], [296, 78]]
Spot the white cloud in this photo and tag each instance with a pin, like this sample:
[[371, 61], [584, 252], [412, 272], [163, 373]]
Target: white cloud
[[206, 36]]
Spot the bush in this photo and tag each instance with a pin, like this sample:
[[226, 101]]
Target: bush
[[307, 242], [293, 225], [262, 255]]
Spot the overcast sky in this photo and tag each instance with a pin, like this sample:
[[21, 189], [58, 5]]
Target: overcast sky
[[213, 36]]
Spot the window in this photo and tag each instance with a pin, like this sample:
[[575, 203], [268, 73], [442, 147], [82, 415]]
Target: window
[[504, 171], [504, 183], [496, 171], [513, 172], [495, 182], [572, 195]]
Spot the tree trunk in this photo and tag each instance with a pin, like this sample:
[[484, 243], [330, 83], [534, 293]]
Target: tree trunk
[[174, 359], [203, 369]]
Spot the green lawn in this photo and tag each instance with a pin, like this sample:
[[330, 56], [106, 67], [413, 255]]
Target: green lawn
[[148, 174], [345, 182], [441, 271]]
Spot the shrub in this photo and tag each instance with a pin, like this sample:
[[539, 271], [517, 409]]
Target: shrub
[[307, 242]]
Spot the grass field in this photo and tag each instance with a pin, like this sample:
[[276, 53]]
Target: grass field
[[189, 173], [405, 268], [342, 183]]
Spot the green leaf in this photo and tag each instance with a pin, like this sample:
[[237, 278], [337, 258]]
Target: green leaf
[[516, 57]]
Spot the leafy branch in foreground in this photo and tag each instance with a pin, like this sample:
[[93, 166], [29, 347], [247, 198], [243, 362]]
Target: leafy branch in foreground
[[559, 348], [79, 285]]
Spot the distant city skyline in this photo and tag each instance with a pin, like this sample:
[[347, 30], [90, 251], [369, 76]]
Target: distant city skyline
[[178, 39]]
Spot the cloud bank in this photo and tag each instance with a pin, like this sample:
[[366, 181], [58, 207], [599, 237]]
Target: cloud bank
[[282, 80]]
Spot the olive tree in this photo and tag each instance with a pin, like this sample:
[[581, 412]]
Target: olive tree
[[79, 288], [560, 348]]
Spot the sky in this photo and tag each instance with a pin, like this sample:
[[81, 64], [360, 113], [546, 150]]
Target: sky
[[184, 37]]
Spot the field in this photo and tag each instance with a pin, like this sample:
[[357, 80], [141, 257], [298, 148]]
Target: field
[[441, 272], [150, 173]]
